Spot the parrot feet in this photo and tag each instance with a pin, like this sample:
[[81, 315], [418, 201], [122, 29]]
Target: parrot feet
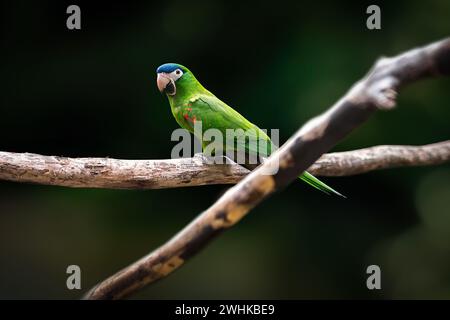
[[213, 159]]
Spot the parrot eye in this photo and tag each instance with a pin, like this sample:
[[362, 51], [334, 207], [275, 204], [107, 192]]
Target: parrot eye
[[177, 74]]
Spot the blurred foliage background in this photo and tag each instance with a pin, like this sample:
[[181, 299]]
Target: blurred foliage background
[[93, 93]]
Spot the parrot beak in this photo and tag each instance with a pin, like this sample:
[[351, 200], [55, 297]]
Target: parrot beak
[[165, 84]]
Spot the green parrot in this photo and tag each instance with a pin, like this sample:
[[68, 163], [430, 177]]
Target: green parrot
[[191, 102]]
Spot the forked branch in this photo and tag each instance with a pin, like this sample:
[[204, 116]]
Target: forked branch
[[377, 90]]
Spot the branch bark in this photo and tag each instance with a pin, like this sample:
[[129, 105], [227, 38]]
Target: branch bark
[[377, 90], [172, 173]]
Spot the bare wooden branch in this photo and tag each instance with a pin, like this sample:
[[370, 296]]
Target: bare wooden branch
[[380, 157], [377, 90], [171, 173]]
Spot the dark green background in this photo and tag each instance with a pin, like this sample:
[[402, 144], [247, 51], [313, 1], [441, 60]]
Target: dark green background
[[93, 93]]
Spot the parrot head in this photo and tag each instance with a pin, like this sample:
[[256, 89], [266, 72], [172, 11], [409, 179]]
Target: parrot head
[[169, 75]]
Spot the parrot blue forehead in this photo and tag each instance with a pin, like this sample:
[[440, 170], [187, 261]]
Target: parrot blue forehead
[[169, 67]]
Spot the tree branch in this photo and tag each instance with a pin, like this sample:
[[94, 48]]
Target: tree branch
[[171, 173], [377, 90], [380, 157]]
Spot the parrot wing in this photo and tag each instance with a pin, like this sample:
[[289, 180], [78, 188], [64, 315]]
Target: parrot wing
[[216, 114]]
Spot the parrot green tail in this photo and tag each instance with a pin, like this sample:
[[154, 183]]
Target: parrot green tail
[[316, 183]]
